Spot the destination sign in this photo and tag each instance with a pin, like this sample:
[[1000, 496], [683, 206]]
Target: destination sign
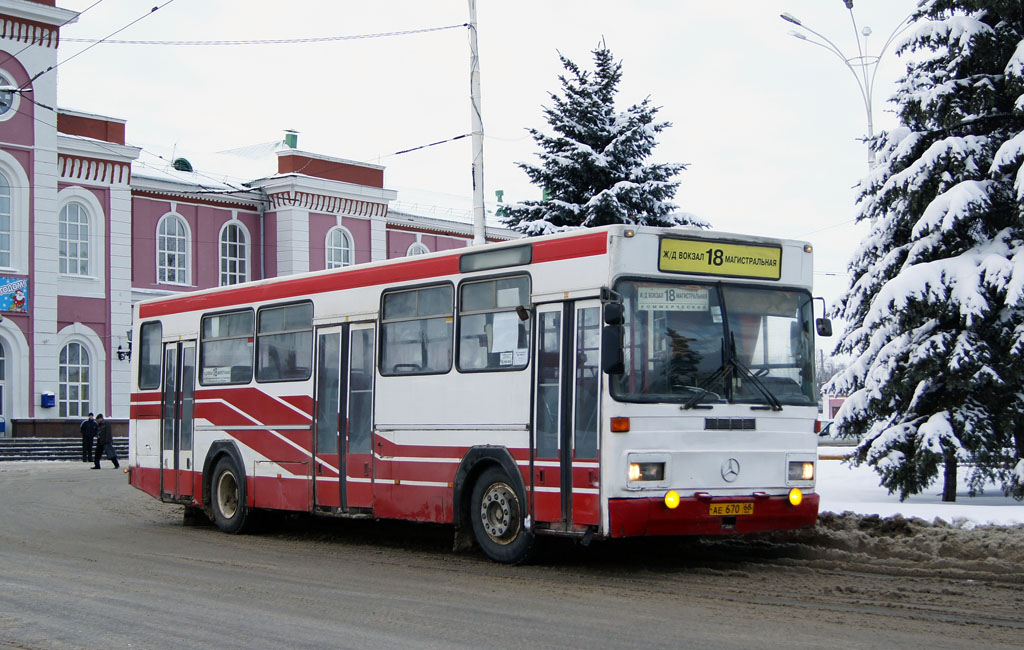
[[707, 257]]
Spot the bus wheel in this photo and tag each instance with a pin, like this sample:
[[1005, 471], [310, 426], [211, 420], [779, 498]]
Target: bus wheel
[[498, 518], [227, 497]]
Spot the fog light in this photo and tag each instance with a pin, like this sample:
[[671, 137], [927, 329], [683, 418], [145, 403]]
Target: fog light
[[646, 471], [671, 499], [796, 497], [801, 470]]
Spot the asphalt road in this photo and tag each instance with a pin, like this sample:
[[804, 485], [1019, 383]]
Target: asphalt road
[[86, 561]]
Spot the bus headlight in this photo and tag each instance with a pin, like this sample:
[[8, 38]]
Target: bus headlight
[[647, 471], [801, 470]]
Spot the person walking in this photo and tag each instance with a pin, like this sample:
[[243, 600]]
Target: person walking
[[104, 444], [89, 428]]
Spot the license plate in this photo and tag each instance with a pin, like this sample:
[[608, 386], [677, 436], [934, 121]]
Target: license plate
[[731, 509]]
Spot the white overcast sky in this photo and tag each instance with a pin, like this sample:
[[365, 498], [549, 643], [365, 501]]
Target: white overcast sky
[[768, 125]]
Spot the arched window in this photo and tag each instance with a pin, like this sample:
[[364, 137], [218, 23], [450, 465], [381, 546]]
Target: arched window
[[73, 381], [172, 250], [234, 255], [5, 221], [418, 248], [340, 251], [73, 240]]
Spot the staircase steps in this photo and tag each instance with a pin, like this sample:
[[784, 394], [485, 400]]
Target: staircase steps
[[68, 449]]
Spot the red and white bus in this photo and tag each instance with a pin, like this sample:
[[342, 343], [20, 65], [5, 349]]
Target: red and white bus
[[614, 382]]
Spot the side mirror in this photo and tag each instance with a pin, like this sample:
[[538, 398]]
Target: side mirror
[[614, 313], [823, 326], [613, 361]]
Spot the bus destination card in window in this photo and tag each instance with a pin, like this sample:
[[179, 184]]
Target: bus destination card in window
[[707, 257]]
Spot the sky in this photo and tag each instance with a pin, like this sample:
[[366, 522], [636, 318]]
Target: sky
[[768, 125]]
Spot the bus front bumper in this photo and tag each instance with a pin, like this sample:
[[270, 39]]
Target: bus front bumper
[[650, 516]]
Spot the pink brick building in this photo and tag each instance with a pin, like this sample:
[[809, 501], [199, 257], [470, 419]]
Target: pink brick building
[[86, 229]]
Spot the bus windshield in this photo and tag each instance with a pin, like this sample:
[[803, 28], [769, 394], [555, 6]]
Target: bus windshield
[[714, 342]]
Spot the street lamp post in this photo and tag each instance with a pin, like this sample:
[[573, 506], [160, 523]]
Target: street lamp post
[[863, 66]]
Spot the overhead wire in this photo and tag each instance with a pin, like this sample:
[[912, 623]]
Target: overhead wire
[[66, 22], [109, 40], [267, 41], [84, 50]]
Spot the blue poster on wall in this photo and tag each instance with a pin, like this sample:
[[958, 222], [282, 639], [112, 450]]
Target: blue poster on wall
[[13, 294]]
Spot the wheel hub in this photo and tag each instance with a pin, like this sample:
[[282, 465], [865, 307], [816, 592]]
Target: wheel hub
[[227, 495], [499, 513]]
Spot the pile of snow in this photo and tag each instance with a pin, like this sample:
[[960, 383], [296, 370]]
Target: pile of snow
[[855, 489]]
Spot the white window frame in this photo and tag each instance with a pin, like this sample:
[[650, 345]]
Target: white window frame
[[187, 267], [81, 244], [88, 339], [329, 247], [18, 181], [64, 383], [93, 284], [417, 248], [242, 245]]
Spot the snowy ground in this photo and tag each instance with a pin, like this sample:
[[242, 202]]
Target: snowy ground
[[855, 489]]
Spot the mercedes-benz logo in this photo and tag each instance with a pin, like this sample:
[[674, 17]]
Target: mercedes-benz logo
[[730, 469]]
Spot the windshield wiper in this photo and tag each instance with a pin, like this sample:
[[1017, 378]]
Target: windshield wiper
[[759, 385], [723, 371], [731, 366]]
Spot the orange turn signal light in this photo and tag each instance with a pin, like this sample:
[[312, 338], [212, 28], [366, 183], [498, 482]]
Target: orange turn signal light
[[620, 425]]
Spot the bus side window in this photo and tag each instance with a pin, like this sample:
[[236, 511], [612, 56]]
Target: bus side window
[[225, 348], [284, 341], [492, 336], [416, 331], [149, 355]]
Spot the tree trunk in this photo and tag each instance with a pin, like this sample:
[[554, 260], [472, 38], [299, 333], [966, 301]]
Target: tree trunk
[[949, 476]]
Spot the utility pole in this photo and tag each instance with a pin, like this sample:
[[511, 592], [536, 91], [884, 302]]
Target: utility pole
[[479, 227]]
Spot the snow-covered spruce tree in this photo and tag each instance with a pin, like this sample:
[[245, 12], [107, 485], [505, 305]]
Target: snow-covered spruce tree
[[592, 167], [935, 308]]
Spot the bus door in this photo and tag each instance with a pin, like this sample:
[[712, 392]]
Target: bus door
[[343, 406], [327, 488], [566, 472], [176, 422], [359, 417]]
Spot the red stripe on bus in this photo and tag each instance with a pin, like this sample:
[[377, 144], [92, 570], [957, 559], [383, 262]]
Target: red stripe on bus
[[257, 404], [303, 402], [144, 411], [406, 271], [564, 249], [298, 287]]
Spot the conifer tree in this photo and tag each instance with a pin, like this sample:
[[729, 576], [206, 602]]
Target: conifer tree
[[592, 167], [935, 307]]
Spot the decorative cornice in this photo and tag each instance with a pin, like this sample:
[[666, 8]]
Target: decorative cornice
[[80, 168], [29, 32], [328, 204], [213, 200]]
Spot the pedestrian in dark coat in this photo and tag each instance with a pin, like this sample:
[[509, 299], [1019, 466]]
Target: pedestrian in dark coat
[[104, 444], [88, 428]]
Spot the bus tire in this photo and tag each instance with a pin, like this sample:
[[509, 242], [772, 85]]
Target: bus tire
[[227, 497], [498, 518]]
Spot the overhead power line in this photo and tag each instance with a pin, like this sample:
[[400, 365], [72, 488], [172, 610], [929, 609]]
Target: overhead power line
[[95, 43], [268, 41], [18, 53]]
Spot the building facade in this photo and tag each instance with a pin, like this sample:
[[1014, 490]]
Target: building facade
[[86, 229]]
